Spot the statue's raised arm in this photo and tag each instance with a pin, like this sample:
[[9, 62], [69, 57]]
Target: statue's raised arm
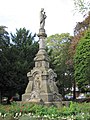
[[42, 18]]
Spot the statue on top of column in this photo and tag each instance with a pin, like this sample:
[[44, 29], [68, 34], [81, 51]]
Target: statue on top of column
[[42, 18]]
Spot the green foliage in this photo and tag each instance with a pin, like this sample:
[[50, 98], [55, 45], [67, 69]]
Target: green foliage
[[4, 63], [58, 46], [82, 61], [4, 37], [16, 61], [77, 111]]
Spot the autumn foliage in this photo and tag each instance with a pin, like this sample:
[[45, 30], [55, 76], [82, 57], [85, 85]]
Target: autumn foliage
[[79, 31]]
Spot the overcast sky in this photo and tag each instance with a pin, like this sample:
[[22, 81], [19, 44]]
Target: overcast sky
[[25, 13]]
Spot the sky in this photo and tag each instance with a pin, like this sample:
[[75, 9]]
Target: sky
[[26, 13]]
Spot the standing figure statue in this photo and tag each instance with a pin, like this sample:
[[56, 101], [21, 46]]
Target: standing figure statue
[[42, 18]]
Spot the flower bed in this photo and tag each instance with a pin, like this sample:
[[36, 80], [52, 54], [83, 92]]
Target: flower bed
[[17, 111]]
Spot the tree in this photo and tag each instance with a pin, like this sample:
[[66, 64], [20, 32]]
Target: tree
[[25, 49], [79, 30], [58, 45], [82, 6], [4, 47], [16, 61], [82, 61], [4, 37]]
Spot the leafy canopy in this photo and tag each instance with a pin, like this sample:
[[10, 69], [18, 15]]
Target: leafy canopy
[[82, 61], [58, 45]]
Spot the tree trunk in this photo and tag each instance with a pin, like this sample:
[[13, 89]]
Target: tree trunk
[[74, 90]]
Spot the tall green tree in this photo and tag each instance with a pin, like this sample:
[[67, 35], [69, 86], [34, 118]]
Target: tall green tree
[[82, 62], [58, 45], [16, 60], [24, 49], [4, 47]]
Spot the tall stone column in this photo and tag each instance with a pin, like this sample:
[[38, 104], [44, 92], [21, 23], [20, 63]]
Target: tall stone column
[[42, 35]]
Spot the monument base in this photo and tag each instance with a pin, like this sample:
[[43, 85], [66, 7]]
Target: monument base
[[57, 104], [47, 97]]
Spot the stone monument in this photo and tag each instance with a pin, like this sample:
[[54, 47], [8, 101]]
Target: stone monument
[[42, 85]]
